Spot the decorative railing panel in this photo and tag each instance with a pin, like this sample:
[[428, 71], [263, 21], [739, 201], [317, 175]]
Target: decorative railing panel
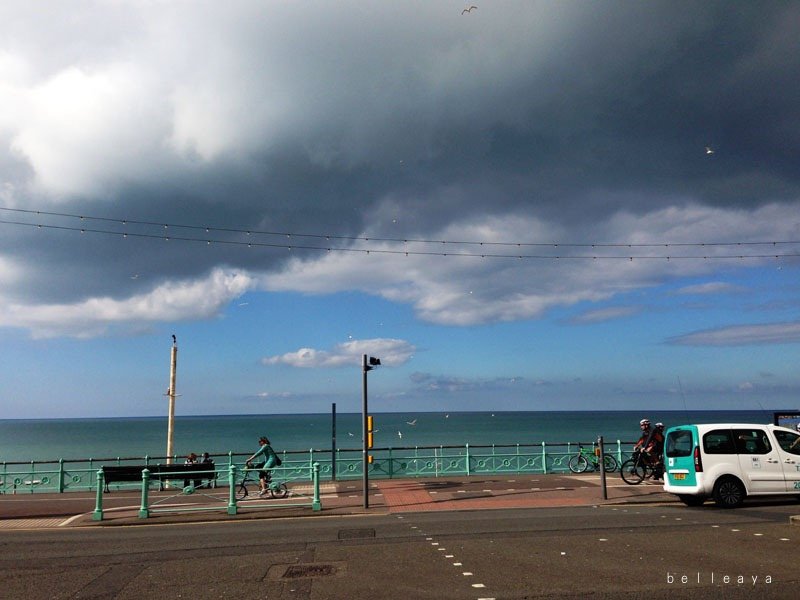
[[388, 463]]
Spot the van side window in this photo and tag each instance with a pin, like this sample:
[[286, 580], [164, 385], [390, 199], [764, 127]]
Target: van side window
[[679, 443], [719, 441], [751, 441], [790, 442]]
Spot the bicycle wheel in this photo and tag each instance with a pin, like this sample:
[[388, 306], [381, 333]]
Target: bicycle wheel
[[241, 491], [610, 463], [632, 472], [578, 463], [279, 491]]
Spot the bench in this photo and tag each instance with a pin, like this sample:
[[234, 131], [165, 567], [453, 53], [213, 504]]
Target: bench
[[133, 473]]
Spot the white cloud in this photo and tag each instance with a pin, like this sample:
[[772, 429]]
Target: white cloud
[[605, 314], [460, 290], [170, 301], [82, 130], [391, 352], [711, 287], [742, 335]]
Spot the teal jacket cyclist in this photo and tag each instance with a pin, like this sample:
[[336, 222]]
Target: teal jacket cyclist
[[265, 464]]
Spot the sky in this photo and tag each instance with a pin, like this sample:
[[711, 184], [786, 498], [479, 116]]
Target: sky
[[528, 206]]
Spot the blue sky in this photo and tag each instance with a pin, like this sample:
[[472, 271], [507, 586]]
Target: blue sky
[[464, 171]]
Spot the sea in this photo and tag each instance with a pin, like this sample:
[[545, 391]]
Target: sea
[[25, 440]]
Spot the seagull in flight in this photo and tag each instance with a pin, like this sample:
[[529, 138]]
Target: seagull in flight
[[466, 10], [400, 434], [709, 150], [414, 422]]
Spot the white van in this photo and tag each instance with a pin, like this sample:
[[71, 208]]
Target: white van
[[730, 461]]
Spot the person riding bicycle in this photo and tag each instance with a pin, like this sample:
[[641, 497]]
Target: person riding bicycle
[[646, 444], [269, 461], [655, 448], [644, 426]]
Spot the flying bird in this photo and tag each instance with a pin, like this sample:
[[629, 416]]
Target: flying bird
[[466, 10], [414, 422], [709, 150], [400, 434]]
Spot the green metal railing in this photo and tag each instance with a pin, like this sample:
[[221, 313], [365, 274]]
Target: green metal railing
[[210, 501], [406, 462]]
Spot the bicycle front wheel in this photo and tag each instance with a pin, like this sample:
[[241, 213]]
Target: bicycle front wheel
[[279, 491], [578, 463], [632, 472]]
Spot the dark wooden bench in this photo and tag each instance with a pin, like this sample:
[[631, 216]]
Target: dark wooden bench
[[133, 473]]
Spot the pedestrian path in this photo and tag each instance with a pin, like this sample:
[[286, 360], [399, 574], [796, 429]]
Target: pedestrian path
[[43, 511]]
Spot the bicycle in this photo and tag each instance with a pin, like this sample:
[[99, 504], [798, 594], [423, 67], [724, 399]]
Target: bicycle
[[276, 489], [637, 468], [586, 460]]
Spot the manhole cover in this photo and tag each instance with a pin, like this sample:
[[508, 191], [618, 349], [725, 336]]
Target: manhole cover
[[297, 571], [352, 534]]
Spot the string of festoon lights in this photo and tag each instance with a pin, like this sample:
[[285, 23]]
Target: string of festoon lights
[[285, 240]]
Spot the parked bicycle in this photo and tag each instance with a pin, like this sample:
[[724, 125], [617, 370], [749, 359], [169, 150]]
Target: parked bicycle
[[276, 489], [589, 460], [637, 468]]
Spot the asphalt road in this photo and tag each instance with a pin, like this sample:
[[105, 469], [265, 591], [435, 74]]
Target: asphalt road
[[579, 552]]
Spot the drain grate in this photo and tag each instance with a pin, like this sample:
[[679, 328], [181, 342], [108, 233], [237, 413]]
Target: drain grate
[[315, 570], [355, 534]]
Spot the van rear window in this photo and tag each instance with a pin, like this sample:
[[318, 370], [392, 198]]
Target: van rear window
[[719, 441], [679, 443]]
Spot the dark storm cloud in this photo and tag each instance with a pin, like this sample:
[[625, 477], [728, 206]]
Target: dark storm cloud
[[398, 119]]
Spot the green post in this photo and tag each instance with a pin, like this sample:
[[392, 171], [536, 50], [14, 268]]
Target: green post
[[144, 510], [391, 464], [467, 458], [60, 475], [97, 515], [232, 508], [316, 505]]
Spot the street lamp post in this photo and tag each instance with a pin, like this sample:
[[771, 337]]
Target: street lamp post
[[367, 364]]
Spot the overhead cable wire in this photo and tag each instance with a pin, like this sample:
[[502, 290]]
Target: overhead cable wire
[[289, 234], [408, 252]]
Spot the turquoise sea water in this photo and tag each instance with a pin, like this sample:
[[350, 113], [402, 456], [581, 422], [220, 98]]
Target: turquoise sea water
[[73, 439]]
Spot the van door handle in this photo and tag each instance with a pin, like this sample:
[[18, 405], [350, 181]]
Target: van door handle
[[773, 461], [789, 461]]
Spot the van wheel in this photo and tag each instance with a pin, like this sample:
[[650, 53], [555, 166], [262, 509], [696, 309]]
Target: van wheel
[[691, 500], [729, 492]]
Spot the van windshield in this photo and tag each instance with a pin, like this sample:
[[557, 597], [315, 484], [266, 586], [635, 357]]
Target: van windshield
[[679, 443]]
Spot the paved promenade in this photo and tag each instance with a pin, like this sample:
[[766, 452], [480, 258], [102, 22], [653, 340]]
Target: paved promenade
[[74, 509]]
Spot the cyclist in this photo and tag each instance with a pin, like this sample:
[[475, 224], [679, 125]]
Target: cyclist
[[655, 448], [644, 427], [645, 443], [269, 461]]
